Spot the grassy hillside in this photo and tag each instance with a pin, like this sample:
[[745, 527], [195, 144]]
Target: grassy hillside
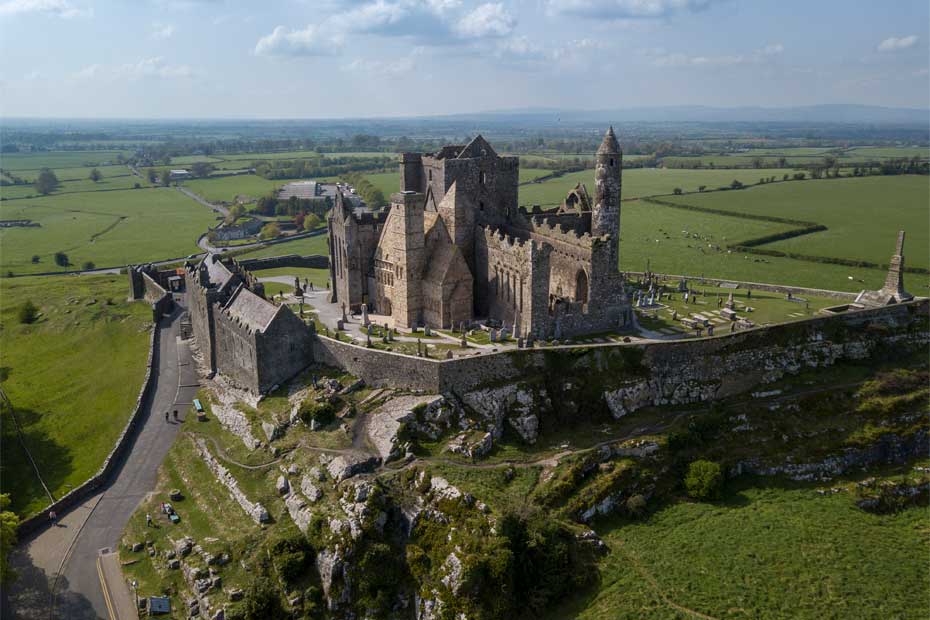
[[73, 377], [108, 228], [772, 552]]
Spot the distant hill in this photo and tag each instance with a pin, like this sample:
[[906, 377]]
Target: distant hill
[[827, 113]]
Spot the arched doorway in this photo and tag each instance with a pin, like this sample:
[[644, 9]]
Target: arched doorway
[[581, 287]]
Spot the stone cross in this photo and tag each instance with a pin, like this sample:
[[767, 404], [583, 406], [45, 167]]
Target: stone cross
[[365, 320], [344, 319]]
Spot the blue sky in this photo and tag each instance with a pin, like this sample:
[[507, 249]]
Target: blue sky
[[341, 58]]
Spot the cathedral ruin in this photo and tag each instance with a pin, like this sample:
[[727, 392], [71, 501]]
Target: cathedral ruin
[[454, 247]]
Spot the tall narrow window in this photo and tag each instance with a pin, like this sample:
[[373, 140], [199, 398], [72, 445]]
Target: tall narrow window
[[482, 177]]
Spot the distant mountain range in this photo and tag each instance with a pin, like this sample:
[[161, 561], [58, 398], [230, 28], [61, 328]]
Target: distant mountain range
[[827, 113]]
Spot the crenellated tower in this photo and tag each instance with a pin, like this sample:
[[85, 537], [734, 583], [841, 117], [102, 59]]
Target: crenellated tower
[[605, 216]]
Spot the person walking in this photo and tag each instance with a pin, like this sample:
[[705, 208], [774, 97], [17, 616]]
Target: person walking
[[166, 416], [148, 520], [53, 517], [175, 415]]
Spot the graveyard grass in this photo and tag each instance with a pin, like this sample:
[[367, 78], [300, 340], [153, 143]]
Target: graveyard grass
[[73, 377]]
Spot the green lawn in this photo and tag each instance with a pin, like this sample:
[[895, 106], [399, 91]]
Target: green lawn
[[638, 182], [764, 553], [319, 277], [57, 159], [863, 214], [73, 378], [110, 229], [387, 182], [225, 189], [122, 181], [307, 246], [643, 226]]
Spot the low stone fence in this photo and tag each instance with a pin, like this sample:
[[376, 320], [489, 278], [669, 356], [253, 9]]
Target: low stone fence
[[745, 354], [756, 286], [81, 493], [314, 261]]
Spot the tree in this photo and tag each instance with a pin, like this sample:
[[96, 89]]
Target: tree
[[703, 480], [8, 524], [757, 162], [270, 231], [235, 212], [166, 177], [312, 221], [152, 175], [35, 259], [95, 175], [736, 184], [27, 313], [701, 188], [88, 265], [61, 259], [46, 182], [677, 191], [201, 169]]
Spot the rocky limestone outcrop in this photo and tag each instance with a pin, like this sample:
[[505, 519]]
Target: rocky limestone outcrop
[[254, 509], [513, 402], [421, 413]]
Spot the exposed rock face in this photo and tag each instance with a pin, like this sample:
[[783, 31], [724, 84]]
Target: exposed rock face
[[472, 449], [282, 486], [890, 449], [254, 509], [297, 508], [345, 466], [384, 423], [453, 570], [513, 402], [309, 489]]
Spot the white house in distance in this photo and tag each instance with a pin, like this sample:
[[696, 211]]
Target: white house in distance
[[179, 175]]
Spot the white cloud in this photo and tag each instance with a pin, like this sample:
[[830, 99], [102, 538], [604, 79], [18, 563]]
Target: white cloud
[[154, 67], [661, 58], [88, 72], [490, 19], [392, 68], [306, 42], [893, 44], [58, 8], [625, 9], [427, 22], [161, 31]]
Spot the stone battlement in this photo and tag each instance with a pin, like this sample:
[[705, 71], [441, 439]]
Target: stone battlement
[[501, 241], [558, 232]]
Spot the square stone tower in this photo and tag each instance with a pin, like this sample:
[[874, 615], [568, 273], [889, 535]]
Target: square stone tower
[[408, 255]]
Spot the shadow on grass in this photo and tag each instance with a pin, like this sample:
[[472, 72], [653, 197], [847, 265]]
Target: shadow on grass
[[54, 461], [29, 596]]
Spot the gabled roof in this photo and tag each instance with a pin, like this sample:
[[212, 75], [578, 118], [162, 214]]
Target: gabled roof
[[250, 309], [478, 147], [456, 200]]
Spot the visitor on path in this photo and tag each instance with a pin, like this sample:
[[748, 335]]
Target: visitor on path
[[175, 415], [53, 517], [148, 520], [166, 416]]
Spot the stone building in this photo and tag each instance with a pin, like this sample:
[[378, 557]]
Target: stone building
[[454, 246], [253, 342]]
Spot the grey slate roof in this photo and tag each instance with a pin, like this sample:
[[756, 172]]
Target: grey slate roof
[[253, 311]]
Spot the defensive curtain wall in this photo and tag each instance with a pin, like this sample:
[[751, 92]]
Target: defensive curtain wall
[[628, 376]]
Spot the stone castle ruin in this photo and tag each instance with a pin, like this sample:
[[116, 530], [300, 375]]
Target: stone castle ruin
[[242, 335], [454, 246]]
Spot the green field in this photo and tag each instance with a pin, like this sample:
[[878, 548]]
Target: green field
[[863, 215], [638, 182], [225, 189], [306, 246], [73, 378], [772, 553], [644, 225], [123, 181], [57, 159], [111, 229]]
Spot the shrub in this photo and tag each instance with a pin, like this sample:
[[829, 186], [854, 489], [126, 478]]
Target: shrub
[[61, 259], [27, 313], [703, 480], [88, 265], [35, 259], [290, 556], [322, 413], [261, 600], [636, 505]]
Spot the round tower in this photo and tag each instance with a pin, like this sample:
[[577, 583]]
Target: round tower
[[605, 216]]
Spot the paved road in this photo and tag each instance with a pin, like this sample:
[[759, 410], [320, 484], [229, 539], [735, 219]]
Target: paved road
[[76, 593]]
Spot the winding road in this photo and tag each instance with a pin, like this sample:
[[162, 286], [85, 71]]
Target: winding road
[[57, 567]]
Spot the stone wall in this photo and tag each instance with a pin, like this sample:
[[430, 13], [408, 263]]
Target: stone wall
[[633, 375], [379, 368], [314, 261]]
